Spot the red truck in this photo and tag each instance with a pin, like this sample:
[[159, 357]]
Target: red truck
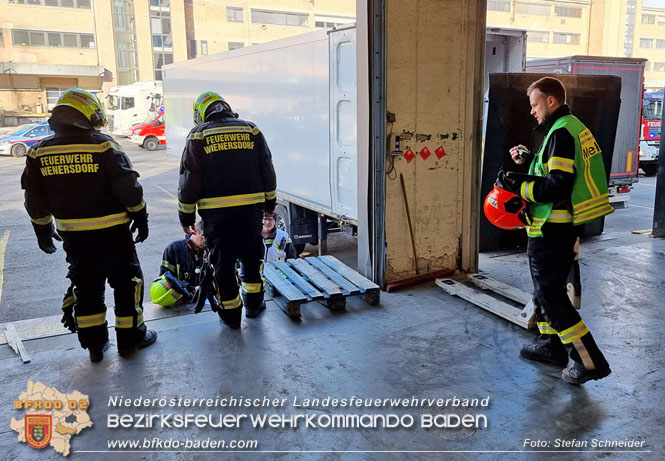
[[150, 135], [652, 119]]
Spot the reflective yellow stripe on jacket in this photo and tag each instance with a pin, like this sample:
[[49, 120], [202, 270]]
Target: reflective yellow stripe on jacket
[[74, 149], [560, 216], [43, 221], [101, 222], [222, 130], [231, 200]]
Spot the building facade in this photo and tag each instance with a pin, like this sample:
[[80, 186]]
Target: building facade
[[50, 45], [622, 28], [47, 46]]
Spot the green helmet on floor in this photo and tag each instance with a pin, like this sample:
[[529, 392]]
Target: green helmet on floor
[[86, 103], [203, 102], [162, 292]]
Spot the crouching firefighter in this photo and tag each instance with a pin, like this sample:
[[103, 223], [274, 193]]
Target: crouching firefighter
[[227, 173], [80, 182]]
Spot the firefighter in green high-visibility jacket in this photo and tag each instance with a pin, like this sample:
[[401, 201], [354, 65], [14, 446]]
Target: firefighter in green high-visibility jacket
[[570, 189]]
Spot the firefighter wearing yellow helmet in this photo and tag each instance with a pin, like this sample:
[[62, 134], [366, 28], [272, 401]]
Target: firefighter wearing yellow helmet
[[80, 188], [226, 173]]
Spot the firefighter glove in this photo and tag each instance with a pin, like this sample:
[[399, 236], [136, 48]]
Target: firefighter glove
[[45, 235], [140, 224], [68, 320]]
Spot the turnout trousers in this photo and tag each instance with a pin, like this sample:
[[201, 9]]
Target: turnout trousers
[[550, 259], [94, 258], [234, 234]]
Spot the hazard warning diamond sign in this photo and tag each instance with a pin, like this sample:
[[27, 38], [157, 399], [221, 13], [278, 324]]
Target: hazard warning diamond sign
[[424, 153], [440, 152], [409, 155]]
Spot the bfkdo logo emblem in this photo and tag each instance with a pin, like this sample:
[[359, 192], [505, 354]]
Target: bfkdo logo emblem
[[38, 430]]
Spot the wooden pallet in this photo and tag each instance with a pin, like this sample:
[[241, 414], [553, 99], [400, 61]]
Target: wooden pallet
[[298, 281]]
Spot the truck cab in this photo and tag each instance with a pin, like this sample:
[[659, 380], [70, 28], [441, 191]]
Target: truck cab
[[652, 119], [151, 134], [129, 105]]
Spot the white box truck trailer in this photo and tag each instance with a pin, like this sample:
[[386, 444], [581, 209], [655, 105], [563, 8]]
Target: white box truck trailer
[[301, 92]]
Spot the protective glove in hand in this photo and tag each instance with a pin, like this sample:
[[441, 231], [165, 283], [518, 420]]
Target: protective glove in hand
[[68, 320], [140, 224], [508, 183], [45, 235]]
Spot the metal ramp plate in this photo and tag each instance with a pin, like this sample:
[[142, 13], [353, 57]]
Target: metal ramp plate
[[522, 318], [298, 281]]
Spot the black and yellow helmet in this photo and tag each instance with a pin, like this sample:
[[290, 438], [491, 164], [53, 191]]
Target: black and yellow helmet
[[86, 103], [203, 101]]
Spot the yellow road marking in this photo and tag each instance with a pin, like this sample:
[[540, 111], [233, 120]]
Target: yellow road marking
[[168, 193], [640, 206], [3, 247]]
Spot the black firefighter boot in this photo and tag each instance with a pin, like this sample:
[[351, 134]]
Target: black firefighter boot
[[546, 349], [588, 363]]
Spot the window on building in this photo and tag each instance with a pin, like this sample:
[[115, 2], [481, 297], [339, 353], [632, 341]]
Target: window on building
[[646, 43], [236, 45], [532, 8], [87, 41], [21, 37], [52, 95], [86, 4], [233, 14], [1, 42], [567, 12], [661, 20], [660, 43], [499, 5], [279, 18], [192, 49], [125, 42], [55, 39], [648, 19], [568, 39], [647, 66], [659, 66], [70, 40], [37, 39], [323, 21], [535, 36], [204, 47], [162, 40]]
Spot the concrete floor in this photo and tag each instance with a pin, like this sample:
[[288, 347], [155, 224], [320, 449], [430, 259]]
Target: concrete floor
[[420, 342]]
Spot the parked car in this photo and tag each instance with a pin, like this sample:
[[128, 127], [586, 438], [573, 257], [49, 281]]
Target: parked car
[[18, 140], [151, 134]]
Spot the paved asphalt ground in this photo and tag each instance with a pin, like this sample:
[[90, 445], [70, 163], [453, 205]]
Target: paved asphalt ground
[[32, 283]]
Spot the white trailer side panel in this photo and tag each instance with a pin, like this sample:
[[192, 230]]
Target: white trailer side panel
[[283, 87]]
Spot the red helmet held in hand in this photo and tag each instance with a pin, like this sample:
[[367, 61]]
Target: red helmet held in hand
[[505, 209]]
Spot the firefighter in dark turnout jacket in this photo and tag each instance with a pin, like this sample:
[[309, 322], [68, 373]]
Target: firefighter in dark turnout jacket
[[571, 189], [80, 182], [227, 174]]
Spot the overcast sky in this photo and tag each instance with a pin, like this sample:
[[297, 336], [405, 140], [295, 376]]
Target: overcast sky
[[655, 3]]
